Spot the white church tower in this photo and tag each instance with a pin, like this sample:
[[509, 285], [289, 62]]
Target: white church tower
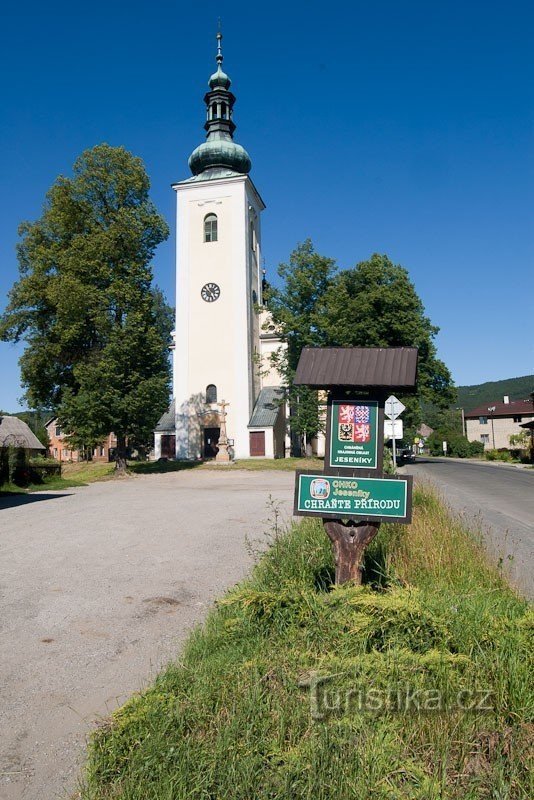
[[218, 291]]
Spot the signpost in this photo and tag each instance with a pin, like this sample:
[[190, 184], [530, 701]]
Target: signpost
[[394, 409], [327, 496], [353, 434], [393, 429], [352, 496]]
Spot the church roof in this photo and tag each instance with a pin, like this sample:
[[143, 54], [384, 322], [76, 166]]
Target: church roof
[[14, 432], [219, 151], [167, 421], [267, 407]]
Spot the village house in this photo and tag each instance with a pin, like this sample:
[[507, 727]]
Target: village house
[[60, 450], [493, 423]]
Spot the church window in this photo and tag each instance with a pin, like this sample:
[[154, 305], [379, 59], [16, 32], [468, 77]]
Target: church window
[[210, 228], [211, 393]]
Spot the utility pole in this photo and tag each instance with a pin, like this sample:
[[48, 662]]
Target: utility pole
[[491, 409]]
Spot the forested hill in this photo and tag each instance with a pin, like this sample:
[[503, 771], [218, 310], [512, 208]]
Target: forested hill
[[516, 388]]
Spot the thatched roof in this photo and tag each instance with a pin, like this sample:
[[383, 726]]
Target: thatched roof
[[15, 433]]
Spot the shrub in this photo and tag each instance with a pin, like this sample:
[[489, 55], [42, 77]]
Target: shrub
[[476, 449], [458, 446], [18, 466], [499, 455]]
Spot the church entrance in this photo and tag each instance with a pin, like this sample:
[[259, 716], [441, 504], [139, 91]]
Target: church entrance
[[211, 437]]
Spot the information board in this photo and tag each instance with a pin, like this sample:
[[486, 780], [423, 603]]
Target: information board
[[330, 496], [353, 434]]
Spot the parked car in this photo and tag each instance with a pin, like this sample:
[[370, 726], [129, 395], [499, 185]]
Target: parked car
[[405, 455]]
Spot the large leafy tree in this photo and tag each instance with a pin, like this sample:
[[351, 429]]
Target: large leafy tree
[[296, 309], [374, 304], [97, 331]]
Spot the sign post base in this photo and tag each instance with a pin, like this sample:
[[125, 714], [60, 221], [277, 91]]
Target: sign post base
[[349, 540]]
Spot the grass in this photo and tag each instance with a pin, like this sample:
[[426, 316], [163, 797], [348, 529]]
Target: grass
[[82, 473], [78, 474], [283, 464], [271, 698]]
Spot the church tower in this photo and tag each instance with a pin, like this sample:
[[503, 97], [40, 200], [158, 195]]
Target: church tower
[[218, 287]]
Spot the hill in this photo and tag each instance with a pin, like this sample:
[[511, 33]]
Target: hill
[[470, 397]]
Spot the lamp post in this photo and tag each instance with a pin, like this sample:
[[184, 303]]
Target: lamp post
[[491, 409]]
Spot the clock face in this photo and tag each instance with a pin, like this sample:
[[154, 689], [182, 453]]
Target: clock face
[[210, 292]]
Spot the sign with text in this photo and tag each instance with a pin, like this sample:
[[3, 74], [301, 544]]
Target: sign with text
[[353, 434], [393, 428], [335, 497], [393, 407]]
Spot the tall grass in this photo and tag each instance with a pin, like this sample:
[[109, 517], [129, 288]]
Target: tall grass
[[272, 697]]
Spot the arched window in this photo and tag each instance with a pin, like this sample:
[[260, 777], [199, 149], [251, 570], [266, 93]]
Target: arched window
[[210, 228], [223, 110], [211, 393]]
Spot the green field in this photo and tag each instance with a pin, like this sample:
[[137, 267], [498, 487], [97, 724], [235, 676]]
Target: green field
[[416, 686]]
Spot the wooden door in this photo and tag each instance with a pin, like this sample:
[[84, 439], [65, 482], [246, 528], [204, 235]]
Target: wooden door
[[257, 443], [168, 446]]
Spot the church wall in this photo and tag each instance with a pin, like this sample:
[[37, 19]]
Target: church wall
[[213, 340]]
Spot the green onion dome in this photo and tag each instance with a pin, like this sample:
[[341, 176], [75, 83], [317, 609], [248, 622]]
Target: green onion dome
[[219, 80], [223, 152]]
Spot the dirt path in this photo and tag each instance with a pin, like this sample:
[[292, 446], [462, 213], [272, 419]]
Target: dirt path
[[98, 588]]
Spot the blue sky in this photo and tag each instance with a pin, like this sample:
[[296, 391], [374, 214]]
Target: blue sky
[[400, 128]]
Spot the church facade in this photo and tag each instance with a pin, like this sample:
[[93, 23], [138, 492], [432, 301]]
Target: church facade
[[221, 372]]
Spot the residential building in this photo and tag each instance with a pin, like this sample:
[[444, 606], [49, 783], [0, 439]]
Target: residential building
[[60, 449], [493, 423]]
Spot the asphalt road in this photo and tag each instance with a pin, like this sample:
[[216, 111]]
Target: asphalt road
[[498, 500], [98, 588]]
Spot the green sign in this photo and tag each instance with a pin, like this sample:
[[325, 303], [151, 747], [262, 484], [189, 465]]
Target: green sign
[[333, 496], [354, 434]]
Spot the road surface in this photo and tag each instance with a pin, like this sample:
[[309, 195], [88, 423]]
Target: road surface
[[98, 588], [499, 500]]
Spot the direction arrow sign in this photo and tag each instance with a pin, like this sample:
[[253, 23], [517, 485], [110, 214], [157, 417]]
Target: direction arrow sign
[[393, 407]]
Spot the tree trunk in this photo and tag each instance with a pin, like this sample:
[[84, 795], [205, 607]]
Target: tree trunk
[[120, 455], [349, 541]]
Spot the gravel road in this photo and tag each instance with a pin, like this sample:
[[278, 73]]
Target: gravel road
[[98, 588]]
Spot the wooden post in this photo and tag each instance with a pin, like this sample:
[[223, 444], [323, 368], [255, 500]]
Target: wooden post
[[349, 540]]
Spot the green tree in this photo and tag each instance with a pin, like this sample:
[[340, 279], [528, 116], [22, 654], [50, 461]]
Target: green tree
[[296, 309], [97, 351], [375, 304]]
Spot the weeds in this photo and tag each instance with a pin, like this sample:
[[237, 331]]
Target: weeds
[[414, 686]]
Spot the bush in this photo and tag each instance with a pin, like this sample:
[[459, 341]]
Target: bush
[[476, 449], [435, 444], [458, 446], [18, 466], [499, 455], [41, 469]]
